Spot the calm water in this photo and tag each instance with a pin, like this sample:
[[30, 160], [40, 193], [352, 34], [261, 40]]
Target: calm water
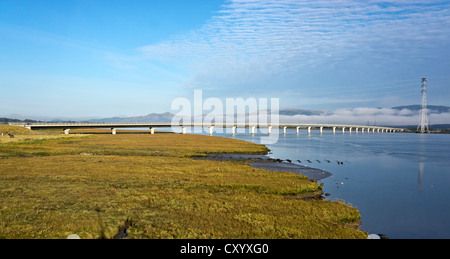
[[399, 182]]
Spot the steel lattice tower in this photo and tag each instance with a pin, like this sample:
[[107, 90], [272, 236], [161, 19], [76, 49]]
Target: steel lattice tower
[[423, 119]]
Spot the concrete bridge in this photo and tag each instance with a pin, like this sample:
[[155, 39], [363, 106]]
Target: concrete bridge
[[66, 127]]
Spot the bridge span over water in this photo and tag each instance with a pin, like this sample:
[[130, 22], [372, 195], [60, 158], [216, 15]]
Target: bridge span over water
[[66, 127]]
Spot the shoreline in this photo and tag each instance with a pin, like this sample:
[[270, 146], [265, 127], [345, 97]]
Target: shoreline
[[271, 164]]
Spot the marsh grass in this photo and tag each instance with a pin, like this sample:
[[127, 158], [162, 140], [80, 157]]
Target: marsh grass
[[94, 185]]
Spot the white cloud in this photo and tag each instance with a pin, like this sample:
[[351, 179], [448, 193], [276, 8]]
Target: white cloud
[[364, 116], [277, 31], [255, 45]]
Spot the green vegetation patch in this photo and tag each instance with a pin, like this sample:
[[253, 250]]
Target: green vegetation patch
[[93, 185]]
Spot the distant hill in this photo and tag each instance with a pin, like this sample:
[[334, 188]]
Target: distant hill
[[6, 120], [431, 108], [167, 116], [152, 117], [292, 112]]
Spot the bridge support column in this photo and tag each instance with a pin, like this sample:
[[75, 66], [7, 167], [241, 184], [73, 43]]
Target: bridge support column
[[309, 130], [350, 130], [362, 130], [378, 130], [334, 130], [253, 130], [284, 130], [298, 130], [357, 130], [114, 131], [183, 130], [152, 131], [211, 129], [233, 130], [321, 130], [343, 130], [67, 131], [270, 130]]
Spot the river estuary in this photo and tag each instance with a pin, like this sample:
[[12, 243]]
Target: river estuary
[[400, 182]]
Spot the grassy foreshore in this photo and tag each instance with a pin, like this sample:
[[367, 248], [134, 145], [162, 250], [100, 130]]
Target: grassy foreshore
[[93, 185]]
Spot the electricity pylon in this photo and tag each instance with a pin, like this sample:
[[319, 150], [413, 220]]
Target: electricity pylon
[[423, 119]]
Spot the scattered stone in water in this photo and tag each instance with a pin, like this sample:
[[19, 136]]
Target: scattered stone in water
[[73, 236], [373, 236]]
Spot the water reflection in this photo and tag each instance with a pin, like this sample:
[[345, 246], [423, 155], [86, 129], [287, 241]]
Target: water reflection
[[421, 167]]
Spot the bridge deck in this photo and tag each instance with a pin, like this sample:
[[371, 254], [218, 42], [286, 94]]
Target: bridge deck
[[168, 124]]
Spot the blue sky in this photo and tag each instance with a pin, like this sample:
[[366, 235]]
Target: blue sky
[[100, 58]]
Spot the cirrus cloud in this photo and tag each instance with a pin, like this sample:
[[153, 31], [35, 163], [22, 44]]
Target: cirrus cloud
[[254, 46]]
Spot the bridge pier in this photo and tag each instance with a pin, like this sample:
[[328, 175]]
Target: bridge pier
[[211, 130], [253, 130], [270, 130], [284, 130], [309, 130], [321, 130], [334, 130], [343, 130], [183, 130], [298, 130], [233, 131], [114, 131], [152, 131], [357, 130], [350, 130], [67, 131]]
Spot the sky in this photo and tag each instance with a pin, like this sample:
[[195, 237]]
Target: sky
[[105, 58]]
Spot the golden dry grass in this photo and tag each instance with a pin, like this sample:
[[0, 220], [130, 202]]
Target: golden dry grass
[[6, 129], [92, 185]]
